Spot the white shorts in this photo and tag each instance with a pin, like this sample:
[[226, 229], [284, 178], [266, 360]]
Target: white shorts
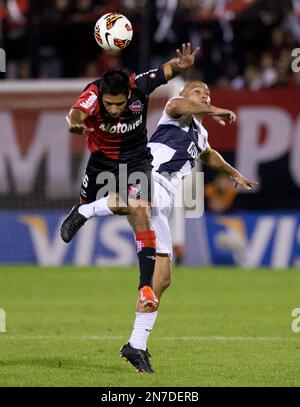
[[162, 207], [160, 213]]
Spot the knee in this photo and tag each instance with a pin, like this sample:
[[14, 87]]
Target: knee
[[120, 211], [117, 205]]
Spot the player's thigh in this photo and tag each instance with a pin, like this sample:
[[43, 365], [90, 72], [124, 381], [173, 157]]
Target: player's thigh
[[91, 187], [160, 220], [139, 186], [161, 228]]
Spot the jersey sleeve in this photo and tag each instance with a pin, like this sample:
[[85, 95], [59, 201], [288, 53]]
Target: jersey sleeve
[[147, 82], [88, 101]]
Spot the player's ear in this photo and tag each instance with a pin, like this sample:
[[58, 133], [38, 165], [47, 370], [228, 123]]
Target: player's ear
[[129, 94]]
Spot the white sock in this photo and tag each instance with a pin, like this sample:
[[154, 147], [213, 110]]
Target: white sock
[[143, 325], [96, 208]]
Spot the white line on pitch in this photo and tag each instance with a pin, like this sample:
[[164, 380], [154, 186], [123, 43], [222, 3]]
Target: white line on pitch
[[164, 338]]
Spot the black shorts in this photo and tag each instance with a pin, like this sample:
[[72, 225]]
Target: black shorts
[[103, 176]]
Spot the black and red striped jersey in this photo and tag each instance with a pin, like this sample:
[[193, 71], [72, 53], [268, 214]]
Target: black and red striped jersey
[[123, 138]]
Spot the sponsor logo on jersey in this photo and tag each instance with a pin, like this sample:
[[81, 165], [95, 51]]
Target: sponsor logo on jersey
[[136, 106], [89, 101], [193, 150], [121, 127]]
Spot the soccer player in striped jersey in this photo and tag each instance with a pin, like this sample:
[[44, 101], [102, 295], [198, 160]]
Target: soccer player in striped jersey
[[178, 142]]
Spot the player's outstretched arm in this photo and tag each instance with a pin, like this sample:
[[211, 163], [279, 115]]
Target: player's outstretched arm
[[214, 160], [223, 115], [75, 120], [185, 59], [182, 106]]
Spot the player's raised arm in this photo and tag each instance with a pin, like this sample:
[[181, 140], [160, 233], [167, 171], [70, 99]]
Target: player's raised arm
[[185, 59], [214, 160], [221, 115], [182, 106]]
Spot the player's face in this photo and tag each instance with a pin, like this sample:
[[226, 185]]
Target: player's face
[[114, 105], [200, 94]]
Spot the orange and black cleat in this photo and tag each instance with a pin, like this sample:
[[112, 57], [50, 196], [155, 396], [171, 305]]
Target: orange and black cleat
[[147, 298]]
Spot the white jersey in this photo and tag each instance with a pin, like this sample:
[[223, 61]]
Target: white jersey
[[176, 146]]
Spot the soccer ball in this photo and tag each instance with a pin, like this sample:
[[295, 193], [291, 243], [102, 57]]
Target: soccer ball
[[113, 31]]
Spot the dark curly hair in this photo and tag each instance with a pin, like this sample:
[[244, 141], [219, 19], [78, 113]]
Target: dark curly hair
[[115, 82]]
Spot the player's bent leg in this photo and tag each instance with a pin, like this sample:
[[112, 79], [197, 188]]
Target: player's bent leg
[[117, 205], [160, 223], [162, 274], [140, 215], [80, 213], [106, 206]]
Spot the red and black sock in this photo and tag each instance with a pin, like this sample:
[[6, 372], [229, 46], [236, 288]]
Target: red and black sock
[[146, 251]]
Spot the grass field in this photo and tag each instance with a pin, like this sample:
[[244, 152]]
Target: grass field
[[216, 327]]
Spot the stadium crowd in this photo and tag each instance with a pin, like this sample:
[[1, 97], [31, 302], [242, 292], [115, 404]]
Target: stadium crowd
[[245, 43]]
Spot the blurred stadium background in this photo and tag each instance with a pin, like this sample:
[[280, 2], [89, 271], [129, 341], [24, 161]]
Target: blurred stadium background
[[246, 58], [233, 327]]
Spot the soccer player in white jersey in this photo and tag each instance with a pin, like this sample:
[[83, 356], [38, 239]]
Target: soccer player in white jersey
[[178, 142], [179, 135]]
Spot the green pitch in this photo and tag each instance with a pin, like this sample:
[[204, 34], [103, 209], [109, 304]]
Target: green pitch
[[216, 327]]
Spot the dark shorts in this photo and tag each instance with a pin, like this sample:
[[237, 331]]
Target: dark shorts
[[103, 176]]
